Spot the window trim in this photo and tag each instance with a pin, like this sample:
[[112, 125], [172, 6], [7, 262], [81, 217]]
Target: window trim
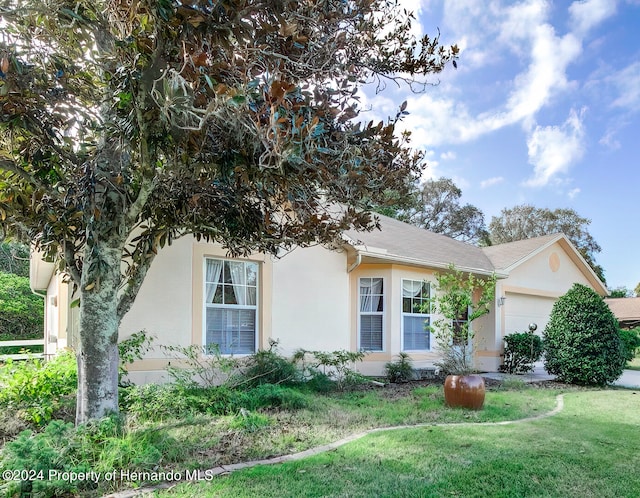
[[255, 307], [428, 316], [382, 313]]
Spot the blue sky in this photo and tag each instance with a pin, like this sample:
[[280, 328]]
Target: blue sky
[[544, 109]]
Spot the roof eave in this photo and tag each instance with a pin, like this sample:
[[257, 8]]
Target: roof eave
[[426, 263]]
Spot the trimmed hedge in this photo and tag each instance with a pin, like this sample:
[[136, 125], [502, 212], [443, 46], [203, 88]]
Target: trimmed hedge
[[582, 341]]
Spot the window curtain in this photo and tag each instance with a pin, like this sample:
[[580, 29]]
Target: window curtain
[[239, 281], [370, 294], [411, 288], [214, 268]]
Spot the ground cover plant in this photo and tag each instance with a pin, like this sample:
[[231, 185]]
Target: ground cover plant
[[589, 449]]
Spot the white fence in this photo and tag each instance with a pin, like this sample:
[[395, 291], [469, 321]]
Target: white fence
[[23, 343]]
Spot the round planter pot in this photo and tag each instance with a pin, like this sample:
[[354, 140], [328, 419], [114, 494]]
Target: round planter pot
[[466, 391]]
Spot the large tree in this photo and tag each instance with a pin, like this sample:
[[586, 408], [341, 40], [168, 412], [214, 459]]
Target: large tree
[[526, 221], [126, 124], [435, 206]]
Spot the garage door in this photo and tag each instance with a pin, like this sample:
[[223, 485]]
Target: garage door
[[520, 310]]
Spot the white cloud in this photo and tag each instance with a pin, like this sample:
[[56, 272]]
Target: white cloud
[[587, 14], [491, 181], [609, 140], [539, 73], [553, 149], [573, 193], [627, 83], [448, 156]]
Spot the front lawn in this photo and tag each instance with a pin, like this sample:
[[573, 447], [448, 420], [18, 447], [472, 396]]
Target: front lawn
[[590, 449], [142, 442]]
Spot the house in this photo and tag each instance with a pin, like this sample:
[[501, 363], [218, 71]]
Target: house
[[366, 294], [626, 310]]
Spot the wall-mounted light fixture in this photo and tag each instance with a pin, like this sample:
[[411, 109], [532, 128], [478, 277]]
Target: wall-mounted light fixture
[[501, 300]]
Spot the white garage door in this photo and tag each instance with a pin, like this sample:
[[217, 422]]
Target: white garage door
[[521, 310]]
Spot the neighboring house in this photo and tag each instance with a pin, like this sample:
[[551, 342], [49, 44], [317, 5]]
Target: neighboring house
[[626, 310], [366, 294]]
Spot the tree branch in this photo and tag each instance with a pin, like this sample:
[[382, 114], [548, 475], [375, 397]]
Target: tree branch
[[9, 165], [70, 258], [133, 286]]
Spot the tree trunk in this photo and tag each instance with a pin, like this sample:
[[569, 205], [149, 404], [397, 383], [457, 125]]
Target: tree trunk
[[98, 356]]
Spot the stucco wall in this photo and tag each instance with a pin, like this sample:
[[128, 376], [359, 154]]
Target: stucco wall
[[551, 270], [310, 300], [163, 306]]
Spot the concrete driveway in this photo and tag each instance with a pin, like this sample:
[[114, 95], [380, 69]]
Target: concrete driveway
[[629, 378]]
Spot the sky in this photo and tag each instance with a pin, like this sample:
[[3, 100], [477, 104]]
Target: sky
[[543, 109]]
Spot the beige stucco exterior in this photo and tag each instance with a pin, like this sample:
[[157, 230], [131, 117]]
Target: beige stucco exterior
[[308, 298], [529, 293]]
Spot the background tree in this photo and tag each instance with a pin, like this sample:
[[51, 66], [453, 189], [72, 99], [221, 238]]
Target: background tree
[[435, 206], [527, 221], [620, 292], [637, 290], [14, 258], [128, 124], [21, 311]]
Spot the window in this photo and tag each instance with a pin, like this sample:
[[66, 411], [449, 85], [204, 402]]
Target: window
[[231, 289], [371, 297], [416, 315]]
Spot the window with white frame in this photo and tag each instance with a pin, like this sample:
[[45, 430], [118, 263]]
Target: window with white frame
[[231, 309], [416, 315], [371, 319]]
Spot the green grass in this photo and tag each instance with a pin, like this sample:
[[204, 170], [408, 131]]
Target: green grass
[[590, 449], [210, 441]]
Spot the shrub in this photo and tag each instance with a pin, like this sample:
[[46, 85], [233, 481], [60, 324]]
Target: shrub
[[204, 366], [37, 389], [21, 311], [521, 351], [581, 341], [268, 367], [336, 365], [100, 446], [131, 349], [400, 370], [630, 342]]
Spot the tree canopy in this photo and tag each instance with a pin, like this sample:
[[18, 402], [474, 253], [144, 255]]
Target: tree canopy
[[126, 124], [526, 221], [435, 206]]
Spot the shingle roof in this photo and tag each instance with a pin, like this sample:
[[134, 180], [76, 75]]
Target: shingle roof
[[625, 308], [406, 241], [503, 256]]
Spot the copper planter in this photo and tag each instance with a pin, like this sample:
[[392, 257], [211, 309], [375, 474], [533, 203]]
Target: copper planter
[[466, 391]]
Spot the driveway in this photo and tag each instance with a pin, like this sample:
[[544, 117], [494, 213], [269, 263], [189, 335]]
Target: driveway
[[629, 378]]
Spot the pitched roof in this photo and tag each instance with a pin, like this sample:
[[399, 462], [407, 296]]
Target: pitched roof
[[625, 309], [400, 241], [503, 256]]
